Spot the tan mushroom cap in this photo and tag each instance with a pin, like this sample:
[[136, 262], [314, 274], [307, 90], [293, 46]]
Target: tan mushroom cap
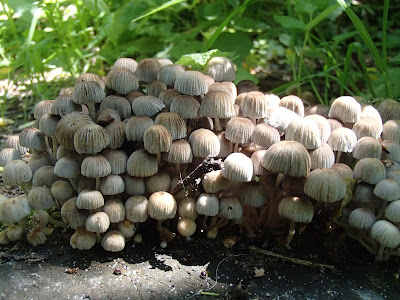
[[16, 172], [238, 167], [280, 118], [157, 139], [126, 62], [115, 210], [61, 190], [13, 142], [207, 205], [89, 199], [162, 206], [112, 185], [257, 158], [45, 176], [220, 69], [319, 109], [136, 127], [230, 208], [217, 104], [95, 166], [187, 106], [253, 194], [346, 109], [325, 185], [136, 209], [304, 131], [40, 198], [386, 234], [72, 215], [48, 124], [179, 153], [187, 208], [367, 147], [14, 209], [370, 170], [343, 170], [113, 241], [367, 127], [265, 135], [41, 108], [391, 130], [67, 127], [192, 83], [392, 150], [147, 69], [32, 138], [98, 222], [214, 181], [254, 105], [67, 167], [116, 134], [224, 86], [204, 142], [141, 164], [175, 124], [387, 189], [322, 157], [83, 239], [88, 92], [287, 157], [296, 209], [63, 105], [147, 105], [118, 103], [392, 212], [122, 80], [342, 139], [169, 73], [323, 125], [362, 218], [239, 130], [293, 103], [186, 227], [158, 182], [168, 96], [134, 185], [39, 160], [389, 110]]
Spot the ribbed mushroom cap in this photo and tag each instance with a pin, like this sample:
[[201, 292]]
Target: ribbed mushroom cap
[[95, 166], [127, 228], [207, 205], [230, 208], [343, 170], [239, 130], [147, 105], [387, 189], [370, 112], [335, 124], [39, 160], [169, 73], [126, 62], [323, 126], [391, 130], [48, 124], [265, 135], [175, 124], [257, 158], [44, 176], [155, 88], [14, 209], [187, 208], [136, 127], [362, 218], [272, 101], [179, 153], [389, 110], [187, 106], [115, 210], [280, 118], [9, 154], [141, 164], [162, 206], [112, 185], [392, 211], [89, 199], [90, 139], [322, 157], [226, 147], [186, 227], [113, 241], [117, 160], [342, 139], [116, 134], [294, 104], [253, 194], [63, 105], [346, 109], [67, 167], [32, 138], [88, 92], [67, 127], [220, 69], [120, 104], [13, 142], [134, 185], [254, 105], [367, 127], [72, 215], [85, 77], [386, 234], [364, 193], [133, 95], [157, 139], [147, 70], [136, 209], [158, 182], [238, 167], [392, 150], [204, 142], [122, 80], [370, 170], [325, 185], [98, 222], [394, 175], [367, 147], [287, 157], [318, 109], [296, 209], [61, 190], [305, 132], [245, 86], [40, 198], [167, 96], [16, 172], [41, 108], [225, 86], [192, 83], [217, 104], [83, 239]]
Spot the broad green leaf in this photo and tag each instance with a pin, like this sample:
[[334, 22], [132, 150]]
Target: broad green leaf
[[395, 59], [238, 44], [289, 22], [198, 60], [244, 74], [96, 5], [393, 78]]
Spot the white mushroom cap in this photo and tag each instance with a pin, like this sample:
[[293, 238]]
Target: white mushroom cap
[[162, 206], [386, 234], [230, 208], [362, 218], [392, 212], [14, 209], [387, 189], [207, 205], [370, 170], [238, 167], [83, 239], [296, 209], [136, 209], [113, 241], [325, 185]]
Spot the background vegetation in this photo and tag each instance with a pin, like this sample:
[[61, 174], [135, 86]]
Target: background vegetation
[[327, 47]]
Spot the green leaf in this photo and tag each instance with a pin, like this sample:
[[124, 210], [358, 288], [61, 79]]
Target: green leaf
[[156, 10], [198, 60], [238, 44], [305, 6], [393, 78], [395, 59], [289, 22], [96, 5], [244, 74], [344, 36]]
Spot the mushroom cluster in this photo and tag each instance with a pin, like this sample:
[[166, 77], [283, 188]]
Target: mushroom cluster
[[116, 154]]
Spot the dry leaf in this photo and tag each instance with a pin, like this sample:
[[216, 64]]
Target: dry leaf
[[259, 272]]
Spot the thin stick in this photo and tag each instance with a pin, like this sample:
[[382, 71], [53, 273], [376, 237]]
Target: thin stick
[[293, 260]]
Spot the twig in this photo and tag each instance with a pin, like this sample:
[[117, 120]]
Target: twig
[[27, 258], [290, 259], [209, 164]]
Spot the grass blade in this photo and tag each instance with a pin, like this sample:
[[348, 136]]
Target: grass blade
[[156, 10], [315, 21]]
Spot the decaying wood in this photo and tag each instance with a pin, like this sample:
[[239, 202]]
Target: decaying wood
[[27, 258]]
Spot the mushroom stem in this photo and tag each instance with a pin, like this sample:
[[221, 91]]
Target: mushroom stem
[[236, 148], [279, 179], [204, 222], [73, 183], [159, 225], [338, 154], [98, 237], [217, 125], [360, 240], [379, 256], [159, 158], [292, 230], [382, 210], [92, 110], [49, 149], [24, 188], [97, 183], [55, 147]]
